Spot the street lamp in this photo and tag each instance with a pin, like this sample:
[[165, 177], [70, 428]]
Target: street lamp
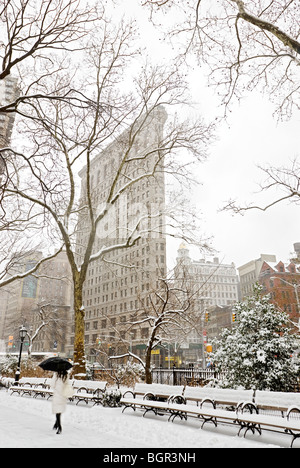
[[22, 333]]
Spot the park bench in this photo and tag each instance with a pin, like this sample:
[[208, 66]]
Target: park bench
[[84, 390], [257, 422], [284, 403], [89, 390], [246, 421], [151, 392], [155, 391], [28, 386], [232, 399]]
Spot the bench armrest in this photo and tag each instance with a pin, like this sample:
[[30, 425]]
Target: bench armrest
[[247, 405], [177, 399], [149, 396], [291, 409], [127, 392], [208, 400]]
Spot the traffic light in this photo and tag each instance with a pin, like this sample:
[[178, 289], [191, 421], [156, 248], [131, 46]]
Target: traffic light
[[207, 316], [233, 317]]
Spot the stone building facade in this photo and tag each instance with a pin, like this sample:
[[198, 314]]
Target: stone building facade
[[249, 273], [42, 297], [214, 288], [8, 93], [116, 291]]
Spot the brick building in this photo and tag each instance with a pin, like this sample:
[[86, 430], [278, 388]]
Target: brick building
[[282, 282]]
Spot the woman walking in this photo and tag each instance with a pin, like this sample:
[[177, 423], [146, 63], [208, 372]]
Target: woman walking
[[62, 390]]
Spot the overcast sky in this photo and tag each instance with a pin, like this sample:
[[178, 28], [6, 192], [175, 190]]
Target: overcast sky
[[254, 137], [251, 136]]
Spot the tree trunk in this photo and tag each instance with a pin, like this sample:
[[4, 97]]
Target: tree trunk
[[148, 372], [79, 369]]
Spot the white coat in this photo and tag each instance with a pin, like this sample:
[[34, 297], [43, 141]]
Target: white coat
[[61, 390]]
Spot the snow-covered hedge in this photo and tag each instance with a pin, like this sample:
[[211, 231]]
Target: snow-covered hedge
[[8, 365], [112, 398]]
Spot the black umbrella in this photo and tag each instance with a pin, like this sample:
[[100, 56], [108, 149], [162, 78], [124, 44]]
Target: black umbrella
[[55, 364]]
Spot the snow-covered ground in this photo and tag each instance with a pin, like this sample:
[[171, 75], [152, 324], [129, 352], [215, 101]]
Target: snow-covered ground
[[26, 422]]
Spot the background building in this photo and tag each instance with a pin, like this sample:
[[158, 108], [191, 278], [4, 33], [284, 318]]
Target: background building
[[8, 93], [282, 282], [296, 256], [214, 289], [117, 288], [218, 318], [42, 297], [216, 283], [249, 273]]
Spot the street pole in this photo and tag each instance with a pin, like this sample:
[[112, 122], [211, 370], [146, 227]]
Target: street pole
[[23, 333]]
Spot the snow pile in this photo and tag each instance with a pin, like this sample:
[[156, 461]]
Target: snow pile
[[6, 381]]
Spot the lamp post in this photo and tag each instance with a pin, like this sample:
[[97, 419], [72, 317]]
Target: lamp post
[[22, 333]]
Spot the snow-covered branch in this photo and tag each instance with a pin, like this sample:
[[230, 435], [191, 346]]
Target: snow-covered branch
[[128, 354]]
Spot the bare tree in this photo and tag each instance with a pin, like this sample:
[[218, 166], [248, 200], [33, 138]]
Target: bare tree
[[32, 30], [285, 180], [245, 44], [35, 37], [63, 135], [166, 316]]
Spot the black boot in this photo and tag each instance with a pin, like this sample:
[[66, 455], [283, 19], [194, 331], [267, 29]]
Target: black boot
[[57, 424]]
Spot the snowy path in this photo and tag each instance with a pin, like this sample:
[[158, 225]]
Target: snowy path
[[27, 422]]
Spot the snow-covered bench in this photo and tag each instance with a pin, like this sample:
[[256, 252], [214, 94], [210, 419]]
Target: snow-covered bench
[[246, 421], [84, 390], [257, 422], [151, 392], [284, 402], [89, 390], [218, 397], [155, 391], [28, 386], [89, 385], [185, 397]]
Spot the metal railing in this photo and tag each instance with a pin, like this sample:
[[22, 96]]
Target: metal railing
[[188, 376]]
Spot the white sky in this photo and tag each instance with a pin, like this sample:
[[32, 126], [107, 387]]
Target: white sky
[[251, 136], [231, 172]]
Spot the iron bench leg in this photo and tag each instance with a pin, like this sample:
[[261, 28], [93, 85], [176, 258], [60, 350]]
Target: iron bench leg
[[249, 427], [295, 436]]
